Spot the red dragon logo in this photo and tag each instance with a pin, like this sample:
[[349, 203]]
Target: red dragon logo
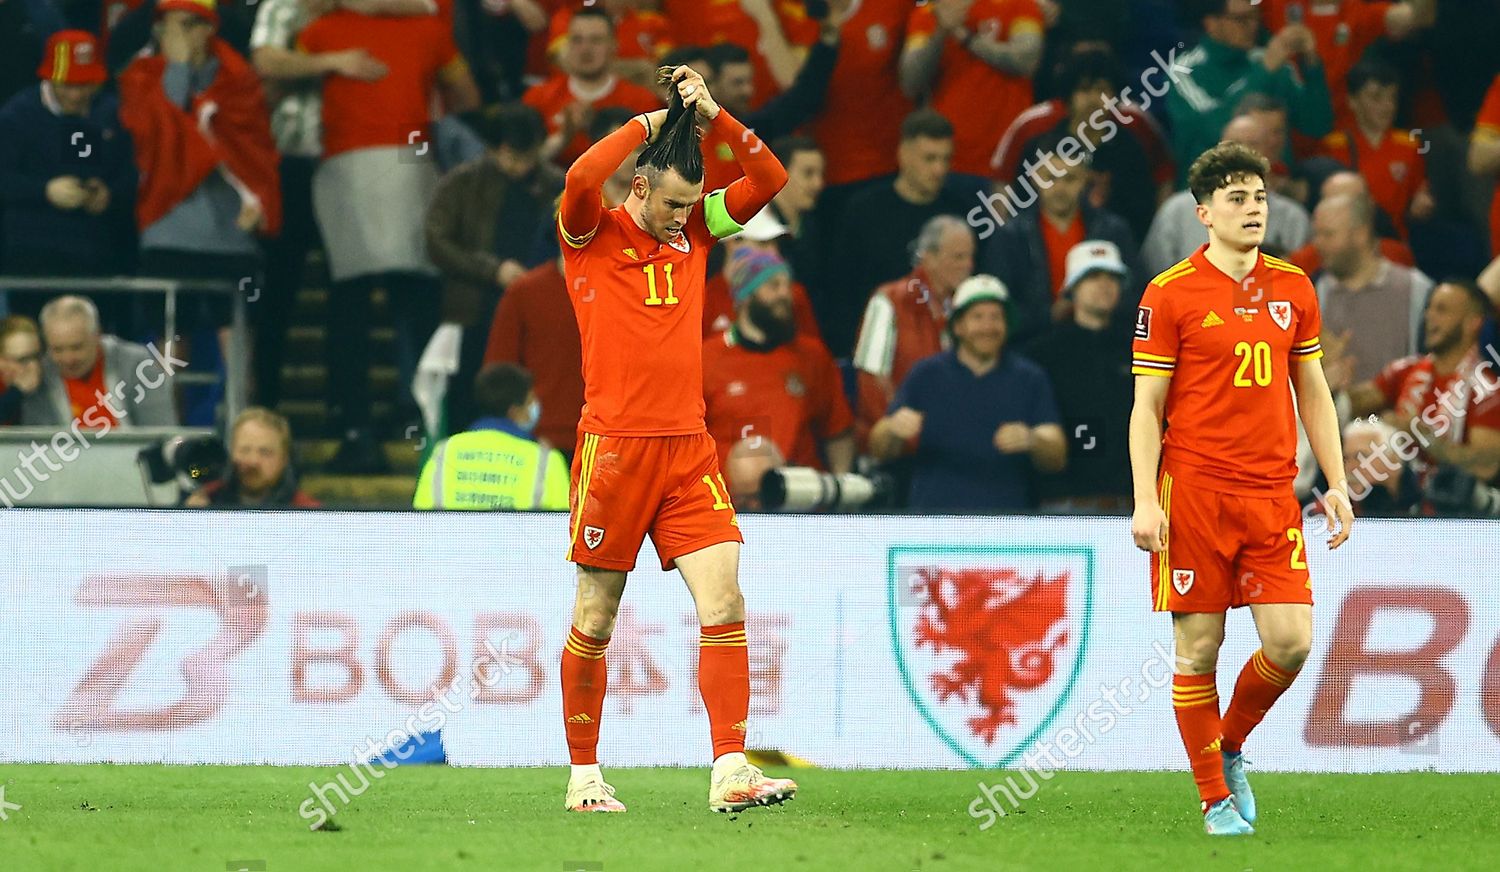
[[1007, 630]]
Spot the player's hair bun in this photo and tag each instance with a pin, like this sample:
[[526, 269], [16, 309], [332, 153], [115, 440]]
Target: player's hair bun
[[678, 146]]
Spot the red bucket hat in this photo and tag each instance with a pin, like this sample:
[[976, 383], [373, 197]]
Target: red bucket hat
[[72, 58]]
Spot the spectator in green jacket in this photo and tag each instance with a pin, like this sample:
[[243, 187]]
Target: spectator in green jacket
[[1209, 81]]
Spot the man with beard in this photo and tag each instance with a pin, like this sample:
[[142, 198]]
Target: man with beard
[[980, 420], [260, 474], [1442, 398], [767, 385], [1365, 297]]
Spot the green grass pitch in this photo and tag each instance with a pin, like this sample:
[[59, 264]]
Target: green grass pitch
[[218, 817]]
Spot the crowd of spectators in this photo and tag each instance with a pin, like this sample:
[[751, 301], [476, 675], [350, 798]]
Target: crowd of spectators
[[979, 192]]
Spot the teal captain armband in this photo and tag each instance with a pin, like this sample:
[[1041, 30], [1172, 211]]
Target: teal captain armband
[[716, 216]]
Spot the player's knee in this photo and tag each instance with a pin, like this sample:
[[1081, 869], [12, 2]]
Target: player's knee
[[727, 607], [1288, 650], [1198, 655]]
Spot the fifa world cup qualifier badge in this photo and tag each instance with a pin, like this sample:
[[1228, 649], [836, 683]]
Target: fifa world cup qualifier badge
[[1143, 322]]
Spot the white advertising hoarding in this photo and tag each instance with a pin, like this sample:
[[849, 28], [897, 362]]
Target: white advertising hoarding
[[897, 642]]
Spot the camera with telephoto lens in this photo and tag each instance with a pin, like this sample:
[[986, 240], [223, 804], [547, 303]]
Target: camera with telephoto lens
[[1451, 491], [190, 461], [803, 489]]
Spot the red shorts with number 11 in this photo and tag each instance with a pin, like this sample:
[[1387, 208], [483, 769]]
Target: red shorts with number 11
[[628, 487], [1227, 550]]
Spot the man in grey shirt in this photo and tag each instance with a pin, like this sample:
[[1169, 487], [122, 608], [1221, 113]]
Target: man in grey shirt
[[1376, 302], [101, 381]]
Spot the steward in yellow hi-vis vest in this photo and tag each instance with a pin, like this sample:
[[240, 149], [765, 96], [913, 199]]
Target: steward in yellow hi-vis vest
[[496, 464]]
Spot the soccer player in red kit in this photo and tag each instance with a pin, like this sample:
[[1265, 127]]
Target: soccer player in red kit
[[1221, 341], [645, 463]]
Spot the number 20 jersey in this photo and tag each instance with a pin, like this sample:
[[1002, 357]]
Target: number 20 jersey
[[640, 318], [1229, 348]]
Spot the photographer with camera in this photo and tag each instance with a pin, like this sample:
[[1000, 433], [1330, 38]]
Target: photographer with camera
[[260, 473], [1447, 401], [980, 419]]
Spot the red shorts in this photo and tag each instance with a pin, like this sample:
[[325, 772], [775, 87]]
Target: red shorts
[[625, 487], [1225, 551]]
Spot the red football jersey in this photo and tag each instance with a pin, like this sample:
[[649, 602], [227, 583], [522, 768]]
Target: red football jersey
[[792, 395], [640, 316], [859, 128], [1342, 30], [1229, 348], [962, 75], [1393, 167], [551, 97], [1487, 126], [1412, 387]]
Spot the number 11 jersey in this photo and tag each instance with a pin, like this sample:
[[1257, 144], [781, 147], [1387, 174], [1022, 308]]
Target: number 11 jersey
[[640, 318]]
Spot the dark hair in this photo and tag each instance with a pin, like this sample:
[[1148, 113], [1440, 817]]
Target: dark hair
[[1051, 143], [684, 55], [1479, 302], [678, 145], [1255, 101], [721, 54], [787, 147], [1086, 67], [1371, 70], [927, 123], [588, 12], [514, 125], [499, 387], [607, 120], [1221, 166]]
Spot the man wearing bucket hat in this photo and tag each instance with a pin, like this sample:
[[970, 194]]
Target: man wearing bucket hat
[[65, 168], [1087, 359], [768, 383], [978, 419]]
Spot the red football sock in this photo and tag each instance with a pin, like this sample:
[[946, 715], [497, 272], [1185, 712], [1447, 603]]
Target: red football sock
[[1260, 684], [1195, 699], [584, 677], [724, 679]]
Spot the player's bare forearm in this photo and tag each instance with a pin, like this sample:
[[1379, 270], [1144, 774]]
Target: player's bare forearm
[[1321, 421], [581, 203], [764, 175], [1020, 56], [1145, 436], [919, 66], [1049, 448], [1484, 153], [840, 452]]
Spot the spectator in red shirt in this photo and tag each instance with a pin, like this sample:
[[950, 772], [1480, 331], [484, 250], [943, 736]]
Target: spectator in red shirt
[[1484, 155], [535, 328], [859, 127], [774, 32], [1344, 30], [1441, 398], [261, 475], [568, 100], [905, 319], [1390, 160], [959, 49], [371, 194], [765, 382], [642, 36], [1129, 175]]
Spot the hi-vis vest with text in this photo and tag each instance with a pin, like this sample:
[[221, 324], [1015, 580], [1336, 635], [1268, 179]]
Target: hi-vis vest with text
[[489, 470]]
